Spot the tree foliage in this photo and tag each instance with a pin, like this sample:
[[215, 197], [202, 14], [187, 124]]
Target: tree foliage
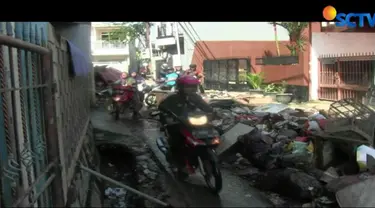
[[129, 31], [297, 39]]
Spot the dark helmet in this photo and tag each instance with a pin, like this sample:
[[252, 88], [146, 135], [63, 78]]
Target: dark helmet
[[192, 66], [187, 84], [170, 69]]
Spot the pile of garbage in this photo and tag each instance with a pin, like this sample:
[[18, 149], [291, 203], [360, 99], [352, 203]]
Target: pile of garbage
[[117, 196], [216, 94], [280, 154]]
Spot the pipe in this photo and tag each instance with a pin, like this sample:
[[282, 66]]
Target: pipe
[[99, 175], [22, 88], [17, 43], [44, 187], [32, 186]]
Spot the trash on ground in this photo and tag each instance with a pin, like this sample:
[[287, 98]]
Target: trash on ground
[[301, 156]]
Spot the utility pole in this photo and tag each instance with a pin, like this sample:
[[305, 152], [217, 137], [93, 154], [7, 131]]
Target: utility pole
[[177, 36], [149, 45]]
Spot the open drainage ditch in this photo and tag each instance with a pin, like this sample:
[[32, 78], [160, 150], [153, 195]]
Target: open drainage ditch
[[119, 163]]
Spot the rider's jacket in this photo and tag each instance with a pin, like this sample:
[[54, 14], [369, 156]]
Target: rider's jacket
[[171, 76], [175, 103]]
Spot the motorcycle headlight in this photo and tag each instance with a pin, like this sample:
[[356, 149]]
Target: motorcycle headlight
[[117, 98], [198, 120]]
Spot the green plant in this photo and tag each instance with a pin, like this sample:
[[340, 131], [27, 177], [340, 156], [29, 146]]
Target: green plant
[[283, 86], [255, 80], [271, 88], [296, 37]]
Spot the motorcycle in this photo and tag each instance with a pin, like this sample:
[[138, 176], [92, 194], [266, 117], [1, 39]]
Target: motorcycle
[[122, 96], [102, 96], [150, 96], [200, 142]]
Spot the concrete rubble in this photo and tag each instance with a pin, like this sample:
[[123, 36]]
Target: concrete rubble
[[289, 154], [117, 196]]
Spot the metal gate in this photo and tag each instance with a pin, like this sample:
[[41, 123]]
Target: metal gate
[[226, 74], [345, 77], [28, 137]]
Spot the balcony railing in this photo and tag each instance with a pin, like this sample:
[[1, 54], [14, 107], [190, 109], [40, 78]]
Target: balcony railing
[[109, 47], [106, 62], [100, 44]]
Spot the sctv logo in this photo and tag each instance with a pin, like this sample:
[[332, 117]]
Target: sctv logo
[[350, 20]]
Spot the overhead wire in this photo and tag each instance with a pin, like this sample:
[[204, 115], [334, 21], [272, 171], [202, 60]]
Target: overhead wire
[[195, 41], [204, 43], [199, 50]]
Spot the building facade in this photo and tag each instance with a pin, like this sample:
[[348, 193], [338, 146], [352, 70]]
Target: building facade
[[106, 50], [337, 62], [163, 36], [341, 61]]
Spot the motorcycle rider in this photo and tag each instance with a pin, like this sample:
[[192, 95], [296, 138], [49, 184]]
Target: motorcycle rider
[[137, 78], [134, 80], [122, 80], [171, 77], [178, 71], [193, 72], [176, 102], [163, 70]]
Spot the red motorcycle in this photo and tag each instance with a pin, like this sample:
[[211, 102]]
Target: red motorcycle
[[200, 141], [122, 96]]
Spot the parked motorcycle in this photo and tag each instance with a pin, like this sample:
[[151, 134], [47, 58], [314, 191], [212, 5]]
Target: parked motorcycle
[[200, 142], [150, 97]]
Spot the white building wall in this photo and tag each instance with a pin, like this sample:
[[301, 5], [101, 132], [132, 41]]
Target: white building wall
[[107, 54]]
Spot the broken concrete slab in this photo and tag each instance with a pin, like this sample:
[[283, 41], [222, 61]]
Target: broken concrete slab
[[358, 194], [329, 175], [229, 139], [271, 108]]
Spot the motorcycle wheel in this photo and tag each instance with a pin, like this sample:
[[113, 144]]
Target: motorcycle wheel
[[116, 113], [109, 105], [150, 100], [210, 170]]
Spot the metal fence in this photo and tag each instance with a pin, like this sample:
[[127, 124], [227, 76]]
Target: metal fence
[[28, 154], [346, 77], [44, 116]]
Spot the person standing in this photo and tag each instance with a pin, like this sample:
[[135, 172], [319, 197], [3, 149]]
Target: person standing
[[192, 71]]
